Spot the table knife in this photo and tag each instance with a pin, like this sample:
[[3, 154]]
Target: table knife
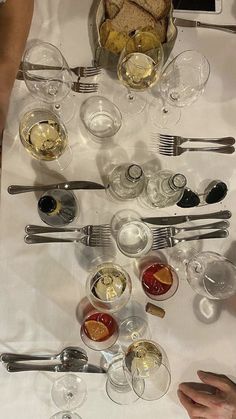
[[178, 219], [72, 185], [196, 24], [21, 367]]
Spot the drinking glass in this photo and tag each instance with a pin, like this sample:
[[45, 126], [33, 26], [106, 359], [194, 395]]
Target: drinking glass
[[69, 392], [45, 137], [108, 287], [49, 78], [99, 331], [159, 280], [65, 415], [212, 275], [139, 68], [181, 84], [133, 237], [131, 329], [147, 369]]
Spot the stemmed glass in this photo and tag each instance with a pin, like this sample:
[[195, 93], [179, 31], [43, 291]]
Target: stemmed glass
[[49, 78], [68, 393], [139, 68], [99, 331], [181, 83], [212, 275]]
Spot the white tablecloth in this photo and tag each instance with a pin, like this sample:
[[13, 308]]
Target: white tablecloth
[[41, 286]]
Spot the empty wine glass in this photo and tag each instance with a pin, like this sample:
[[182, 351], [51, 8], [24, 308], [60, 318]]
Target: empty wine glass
[[49, 78], [212, 275], [69, 392], [181, 83], [147, 369], [139, 68]]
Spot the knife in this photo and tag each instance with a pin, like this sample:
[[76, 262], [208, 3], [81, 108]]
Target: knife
[[178, 219], [196, 24], [21, 367], [79, 184]]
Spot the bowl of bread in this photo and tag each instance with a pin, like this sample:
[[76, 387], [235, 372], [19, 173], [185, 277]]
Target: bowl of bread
[[115, 21]]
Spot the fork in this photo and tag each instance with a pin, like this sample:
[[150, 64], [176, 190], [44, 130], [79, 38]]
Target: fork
[[163, 242], [78, 71], [172, 231], [95, 230], [176, 150], [165, 139], [90, 241]]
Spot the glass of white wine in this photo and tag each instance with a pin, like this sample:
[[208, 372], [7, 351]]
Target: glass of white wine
[[45, 137], [49, 78], [139, 68]]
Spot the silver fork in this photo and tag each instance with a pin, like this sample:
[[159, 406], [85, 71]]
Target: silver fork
[[172, 231], [176, 150], [89, 71], [91, 241], [95, 230], [163, 242], [177, 140]]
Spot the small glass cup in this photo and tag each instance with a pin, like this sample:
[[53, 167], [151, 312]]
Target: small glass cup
[[109, 287], [99, 331], [212, 275], [159, 280], [101, 117]]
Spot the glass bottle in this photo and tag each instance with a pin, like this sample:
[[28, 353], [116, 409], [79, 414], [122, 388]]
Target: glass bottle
[[57, 207], [165, 189], [126, 181]]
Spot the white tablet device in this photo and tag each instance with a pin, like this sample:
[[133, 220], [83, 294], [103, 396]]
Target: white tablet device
[[199, 6]]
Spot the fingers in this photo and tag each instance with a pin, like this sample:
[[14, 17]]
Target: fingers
[[198, 394], [221, 382], [194, 410]]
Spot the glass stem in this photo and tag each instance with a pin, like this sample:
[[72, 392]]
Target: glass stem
[[131, 96]]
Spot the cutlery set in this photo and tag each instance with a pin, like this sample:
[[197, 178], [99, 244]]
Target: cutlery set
[[70, 359], [170, 145], [77, 86]]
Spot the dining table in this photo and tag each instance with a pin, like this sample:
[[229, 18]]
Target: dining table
[[43, 285]]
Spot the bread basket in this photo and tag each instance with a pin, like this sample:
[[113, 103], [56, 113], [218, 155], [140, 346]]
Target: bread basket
[[107, 59]]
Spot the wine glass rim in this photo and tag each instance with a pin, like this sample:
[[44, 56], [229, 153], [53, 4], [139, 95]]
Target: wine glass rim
[[211, 253], [195, 51], [48, 45]]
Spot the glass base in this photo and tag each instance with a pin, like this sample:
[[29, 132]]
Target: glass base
[[65, 415], [66, 109], [130, 103], [164, 116], [133, 328]]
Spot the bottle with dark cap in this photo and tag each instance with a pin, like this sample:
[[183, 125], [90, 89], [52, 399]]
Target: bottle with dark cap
[[57, 208]]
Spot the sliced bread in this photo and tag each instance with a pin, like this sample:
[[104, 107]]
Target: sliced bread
[[132, 17], [113, 7], [157, 8]]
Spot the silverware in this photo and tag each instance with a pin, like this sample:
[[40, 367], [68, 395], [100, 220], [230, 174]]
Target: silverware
[[68, 354], [71, 185], [165, 139], [195, 23], [163, 242], [95, 230], [20, 367], [178, 219], [77, 86], [90, 241], [172, 231], [78, 71], [176, 150]]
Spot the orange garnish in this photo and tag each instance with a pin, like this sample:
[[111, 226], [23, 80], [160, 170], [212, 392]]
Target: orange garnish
[[164, 276], [97, 331]]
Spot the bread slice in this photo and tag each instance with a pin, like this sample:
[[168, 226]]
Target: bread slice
[[157, 8], [113, 7], [132, 17]]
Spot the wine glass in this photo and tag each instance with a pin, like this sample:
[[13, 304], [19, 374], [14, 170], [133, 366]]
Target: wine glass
[[139, 68], [212, 275], [45, 137], [147, 369], [181, 83], [109, 287], [99, 331], [49, 78], [65, 415], [69, 392], [159, 280]]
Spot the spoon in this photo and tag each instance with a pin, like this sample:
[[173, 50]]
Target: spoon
[[67, 355]]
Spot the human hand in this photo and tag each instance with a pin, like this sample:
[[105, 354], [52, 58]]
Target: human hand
[[214, 398]]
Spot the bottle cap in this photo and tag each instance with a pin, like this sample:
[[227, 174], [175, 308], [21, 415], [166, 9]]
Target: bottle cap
[[47, 204], [179, 181], [134, 172]]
